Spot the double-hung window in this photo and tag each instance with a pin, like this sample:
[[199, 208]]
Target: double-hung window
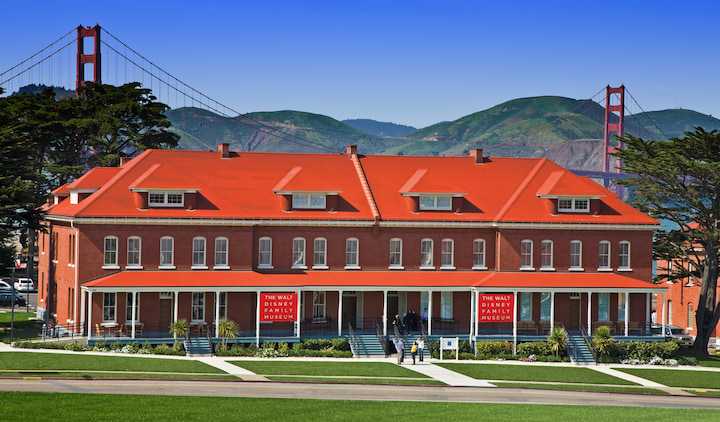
[[396, 253], [352, 246], [525, 306], [447, 254], [198, 306], [109, 307], [298, 253], [129, 307], [624, 255], [526, 254], [576, 255], [221, 252], [546, 255], [198, 253], [265, 252], [320, 253], [318, 305], [167, 252], [133, 251], [110, 252], [426, 253], [479, 254], [604, 255]]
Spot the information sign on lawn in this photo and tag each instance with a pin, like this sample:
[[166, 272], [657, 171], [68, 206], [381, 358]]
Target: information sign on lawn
[[278, 307], [495, 308]]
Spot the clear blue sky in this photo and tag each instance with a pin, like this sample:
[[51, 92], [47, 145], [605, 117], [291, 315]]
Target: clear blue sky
[[408, 62]]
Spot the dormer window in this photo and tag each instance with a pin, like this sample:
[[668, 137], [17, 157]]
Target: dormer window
[[436, 202], [308, 201], [573, 205], [165, 199]]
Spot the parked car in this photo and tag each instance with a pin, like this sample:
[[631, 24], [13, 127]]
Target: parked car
[[5, 285], [678, 333], [25, 285], [6, 299]]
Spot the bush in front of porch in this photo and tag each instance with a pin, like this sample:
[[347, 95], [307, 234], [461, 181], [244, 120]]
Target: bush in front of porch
[[338, 348]]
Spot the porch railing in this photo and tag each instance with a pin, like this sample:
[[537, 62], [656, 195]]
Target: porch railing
[[382, 338], [425, 336], [586, 337], [352, 340]]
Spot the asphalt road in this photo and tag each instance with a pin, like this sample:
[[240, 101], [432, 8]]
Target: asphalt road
[[353, 392]]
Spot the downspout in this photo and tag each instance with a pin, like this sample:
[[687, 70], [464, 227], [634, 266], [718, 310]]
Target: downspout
[[76, 257]]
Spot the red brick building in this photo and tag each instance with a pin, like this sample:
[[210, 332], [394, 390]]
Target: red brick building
[[202, 235]]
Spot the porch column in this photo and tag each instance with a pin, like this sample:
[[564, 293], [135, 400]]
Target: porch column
[[589, 314], [217, 313], [257, 319], [430, 312], [133, 318], [472, 315], [299, 312], [384, 317], [515, 318], [664, 313], [552, 311], [175, 306], [82, 311], [648, 303], [627, 312], [339, 318], [90, 303]]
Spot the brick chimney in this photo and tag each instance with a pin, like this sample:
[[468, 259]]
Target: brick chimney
[[224, 150], [352, 150], [477, 154], [124, 160]]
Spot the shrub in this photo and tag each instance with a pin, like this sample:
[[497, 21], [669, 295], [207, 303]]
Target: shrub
[[492, 348], [316, 344], [537, 348], [558, 340], [340, 344]]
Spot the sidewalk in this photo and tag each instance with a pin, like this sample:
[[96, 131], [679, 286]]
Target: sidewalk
[[447, 376]]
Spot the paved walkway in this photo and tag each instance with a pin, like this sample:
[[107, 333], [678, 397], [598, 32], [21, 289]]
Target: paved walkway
[[451, 378]]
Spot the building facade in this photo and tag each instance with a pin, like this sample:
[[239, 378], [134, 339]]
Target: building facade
[[348, 239]]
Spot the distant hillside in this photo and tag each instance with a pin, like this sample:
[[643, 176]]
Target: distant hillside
[[382, 129], [674, 123]]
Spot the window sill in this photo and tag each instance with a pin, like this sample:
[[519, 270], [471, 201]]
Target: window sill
[[480, 268], [527, 268], [199, 267], [576, 269], [426, 267], [320, 267], [109, 324], [110, 267], [447, 267], [606, 270], [166, 267], [353, 267], [624, 270], [221, 267], [551, 269], [265, 267], [299, 267], [71, 265], [133, 267], [396, 267]]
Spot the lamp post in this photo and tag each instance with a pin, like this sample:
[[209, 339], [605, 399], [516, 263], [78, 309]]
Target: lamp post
[[12, 305]]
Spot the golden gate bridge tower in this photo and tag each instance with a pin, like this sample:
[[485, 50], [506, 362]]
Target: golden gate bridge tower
[[88, 59]]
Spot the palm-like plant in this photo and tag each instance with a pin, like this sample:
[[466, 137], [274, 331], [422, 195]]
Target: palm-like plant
[[602, 341], [558, 340], [179, 328], [227, 330]]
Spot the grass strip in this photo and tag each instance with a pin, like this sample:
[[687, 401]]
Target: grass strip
[[489, 371], [677, 377], [352, 369], [33, 406], [708, 393], [71, 362], [114, 374], [581, 387], [357, 380]]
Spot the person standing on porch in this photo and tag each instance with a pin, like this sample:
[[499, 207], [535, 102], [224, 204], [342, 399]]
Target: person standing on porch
[[400, 346], [421, 347]]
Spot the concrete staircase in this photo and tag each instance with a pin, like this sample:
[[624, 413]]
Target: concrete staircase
[[368, 346], [197, 346], [584, 355]]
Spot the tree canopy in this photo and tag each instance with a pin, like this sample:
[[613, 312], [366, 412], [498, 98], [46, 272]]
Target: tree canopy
[[46, 142], [679, 181]]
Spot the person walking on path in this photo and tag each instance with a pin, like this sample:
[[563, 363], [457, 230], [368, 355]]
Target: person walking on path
[[420, 347], [400, 346], [414, 351]]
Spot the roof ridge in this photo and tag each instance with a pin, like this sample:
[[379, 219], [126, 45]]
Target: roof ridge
[[523, 185], [365, 186]]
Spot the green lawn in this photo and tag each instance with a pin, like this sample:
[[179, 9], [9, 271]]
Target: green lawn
[[99, 407], [677, 377], [69, 362], [491, 371], [575, 387], [24, 327], [711, 361], [357, 380], [349, 369]]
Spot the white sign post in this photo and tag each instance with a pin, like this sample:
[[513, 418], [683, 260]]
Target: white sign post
[[450, 344]]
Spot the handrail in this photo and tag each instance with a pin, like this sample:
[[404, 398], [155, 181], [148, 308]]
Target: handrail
[[588, 341], [188, 344], [354, 346], [425, 336], [382, 338], [210, 340]]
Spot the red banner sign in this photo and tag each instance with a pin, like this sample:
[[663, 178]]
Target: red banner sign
[[278, 307], [495, 308]]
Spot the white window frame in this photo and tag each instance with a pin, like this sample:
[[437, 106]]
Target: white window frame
[[603, 307], [265, 252], [169, 199], [526, 255], [576, 255], [197, 307], [320, 253], [426, 254], [128, 307], [221, 253], [307, 200], [624, 256], [447, 254], [432, 202], [199, 253], [134, 251], [222, 305], [110, 253], [109, 314], [298, 253], [396, 255], [167, 253], [604, 263], [352, 253], [446, 305], [319, 305], [546, 255], [479, 250], [545, 302], [574, 205]]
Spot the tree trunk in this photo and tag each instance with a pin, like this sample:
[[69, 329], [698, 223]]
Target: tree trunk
[[707, 314]]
